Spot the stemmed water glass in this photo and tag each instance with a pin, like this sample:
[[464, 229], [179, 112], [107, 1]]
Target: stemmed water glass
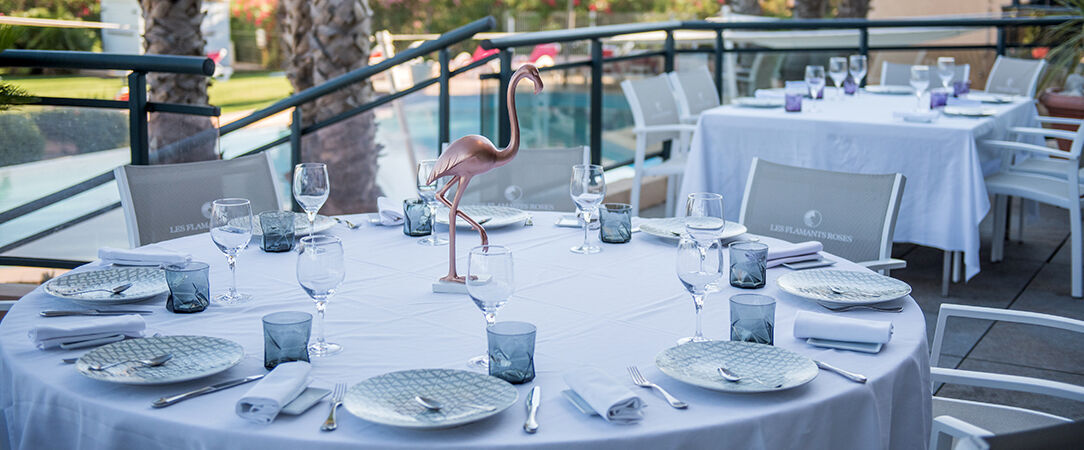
[[698, 268], [588, 187], [704, 217], [814, 80], [311, 187], [489, 283], [320, 271], [837, 69], [428, 192], [920, 80], [946, 69], [231, 229], [857, 68]]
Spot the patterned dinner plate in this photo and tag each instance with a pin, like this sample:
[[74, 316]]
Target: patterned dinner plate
[[762, 367], [969, 111], [994, 98], [193, 357], [759, 102], [843, 286], [494, 216], [301, 225], [146, 282], [388, 399], [674, 228], [890, 90]]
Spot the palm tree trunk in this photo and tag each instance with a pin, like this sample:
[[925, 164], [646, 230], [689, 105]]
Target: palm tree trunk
[[296, 30], [810, 9], [173, 28], [857, 9]]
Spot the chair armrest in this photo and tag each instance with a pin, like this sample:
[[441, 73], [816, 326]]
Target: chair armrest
[[1045, 132], [1007, 382], [5, 305], [952, 428], [667, 128], [884, 264], [1060, 120], [1006, 315], [1031, 148]]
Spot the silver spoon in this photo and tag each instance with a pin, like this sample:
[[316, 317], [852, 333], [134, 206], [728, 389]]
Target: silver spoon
[[434, 405], [734, 378], [347, 223], [115, 290], [853, 307], [153, 362]]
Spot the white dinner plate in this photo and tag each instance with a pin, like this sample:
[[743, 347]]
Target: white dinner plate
[[301, 225], [494, 216], [674, 227], [993, 98], [193, 357], [388, 399], [759, 102], [844, 287], [890, 90], [697, 363], [969, 111], [146, 282]]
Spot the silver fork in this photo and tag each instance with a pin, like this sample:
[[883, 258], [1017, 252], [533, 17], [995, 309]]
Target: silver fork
[[639, 380], [846, 308], [336, 400], [347, 223]]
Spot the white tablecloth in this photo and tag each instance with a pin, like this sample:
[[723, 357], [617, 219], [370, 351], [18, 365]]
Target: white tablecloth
[[616, 308], [945, 196]]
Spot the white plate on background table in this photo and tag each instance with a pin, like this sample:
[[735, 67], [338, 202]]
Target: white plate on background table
[[994, 98], [388, 399], [696, 363], [890, 90], [759, 102], [843, 287], [193, 357], [494, 216], [969, 111], [301, 225], [146, 282], [674, 227]]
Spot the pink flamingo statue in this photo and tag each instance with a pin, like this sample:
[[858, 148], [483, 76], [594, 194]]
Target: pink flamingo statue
[[474, 155]]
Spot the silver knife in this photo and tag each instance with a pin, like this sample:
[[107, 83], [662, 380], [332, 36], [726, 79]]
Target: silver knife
[[94, 312], [857, 378], [534, 400], [166, 401]]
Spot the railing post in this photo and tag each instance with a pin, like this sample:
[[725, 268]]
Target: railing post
[[668, 65], [139, 142], [719, 63], [596, 101], [295, 147], [504, 126], [1000, 41], [863, 49], [445, 106]]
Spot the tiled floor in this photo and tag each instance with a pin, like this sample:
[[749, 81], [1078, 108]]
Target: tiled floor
[[1033, 277]]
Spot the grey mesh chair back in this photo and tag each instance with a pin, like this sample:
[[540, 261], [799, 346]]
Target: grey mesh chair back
[[853, 215], [1015, 76], [893, 74], [174, 200], [537, 180], [695, 91], [652, 103]]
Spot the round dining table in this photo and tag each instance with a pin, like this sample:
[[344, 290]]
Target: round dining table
[[617, 308]]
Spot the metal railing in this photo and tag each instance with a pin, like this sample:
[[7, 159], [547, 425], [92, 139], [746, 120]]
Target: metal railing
[[596, 35]]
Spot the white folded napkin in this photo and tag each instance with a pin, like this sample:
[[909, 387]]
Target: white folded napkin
[[264, 401], [86, 328], [612, 401], [144, 256], [823, 326], [793, 252], [917, 116], [391, 213]]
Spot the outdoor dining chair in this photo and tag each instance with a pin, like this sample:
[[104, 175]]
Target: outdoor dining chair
[[1015, 76], [852, 215], [895, 74], [956, 419], [694, 91], [168, 201], [537, 180], [656, 119], [762, 73]]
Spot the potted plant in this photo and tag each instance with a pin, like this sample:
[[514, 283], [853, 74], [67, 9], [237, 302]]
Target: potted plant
[[1066, 61]]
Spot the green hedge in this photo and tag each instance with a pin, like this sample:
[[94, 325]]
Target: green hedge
[[22, 140], [69, 131]]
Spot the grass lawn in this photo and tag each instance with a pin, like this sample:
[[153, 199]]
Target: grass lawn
[[244, 91]]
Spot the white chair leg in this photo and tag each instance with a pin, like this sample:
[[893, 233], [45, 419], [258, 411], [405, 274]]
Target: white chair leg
[[957, 267], [1016, 232], [669, 205], [1075, 247], [946, 270], [638, 174], [997, 240]]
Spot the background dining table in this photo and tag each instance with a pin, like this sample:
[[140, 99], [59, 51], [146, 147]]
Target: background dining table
[[609, 310], [945, 197]]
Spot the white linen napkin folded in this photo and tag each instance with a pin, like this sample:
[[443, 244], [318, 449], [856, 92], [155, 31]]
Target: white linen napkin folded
[[264, 401], [787, 252], [145, 256], [823, 326], [55, 334], [390, 213], [606, 396], [917, 116]]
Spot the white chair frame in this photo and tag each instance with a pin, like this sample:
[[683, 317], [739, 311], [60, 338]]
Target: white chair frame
[[946, 428], [1033, 83]]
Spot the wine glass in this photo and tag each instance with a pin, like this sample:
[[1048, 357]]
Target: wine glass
[[320, 271], [837, 69], [428, 192], [704, 217], [699, 267], [489, 284], [587, 188], [311, 187], [858, 69], [231, 229], [920, 80], [946, 69], [814, 80]]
